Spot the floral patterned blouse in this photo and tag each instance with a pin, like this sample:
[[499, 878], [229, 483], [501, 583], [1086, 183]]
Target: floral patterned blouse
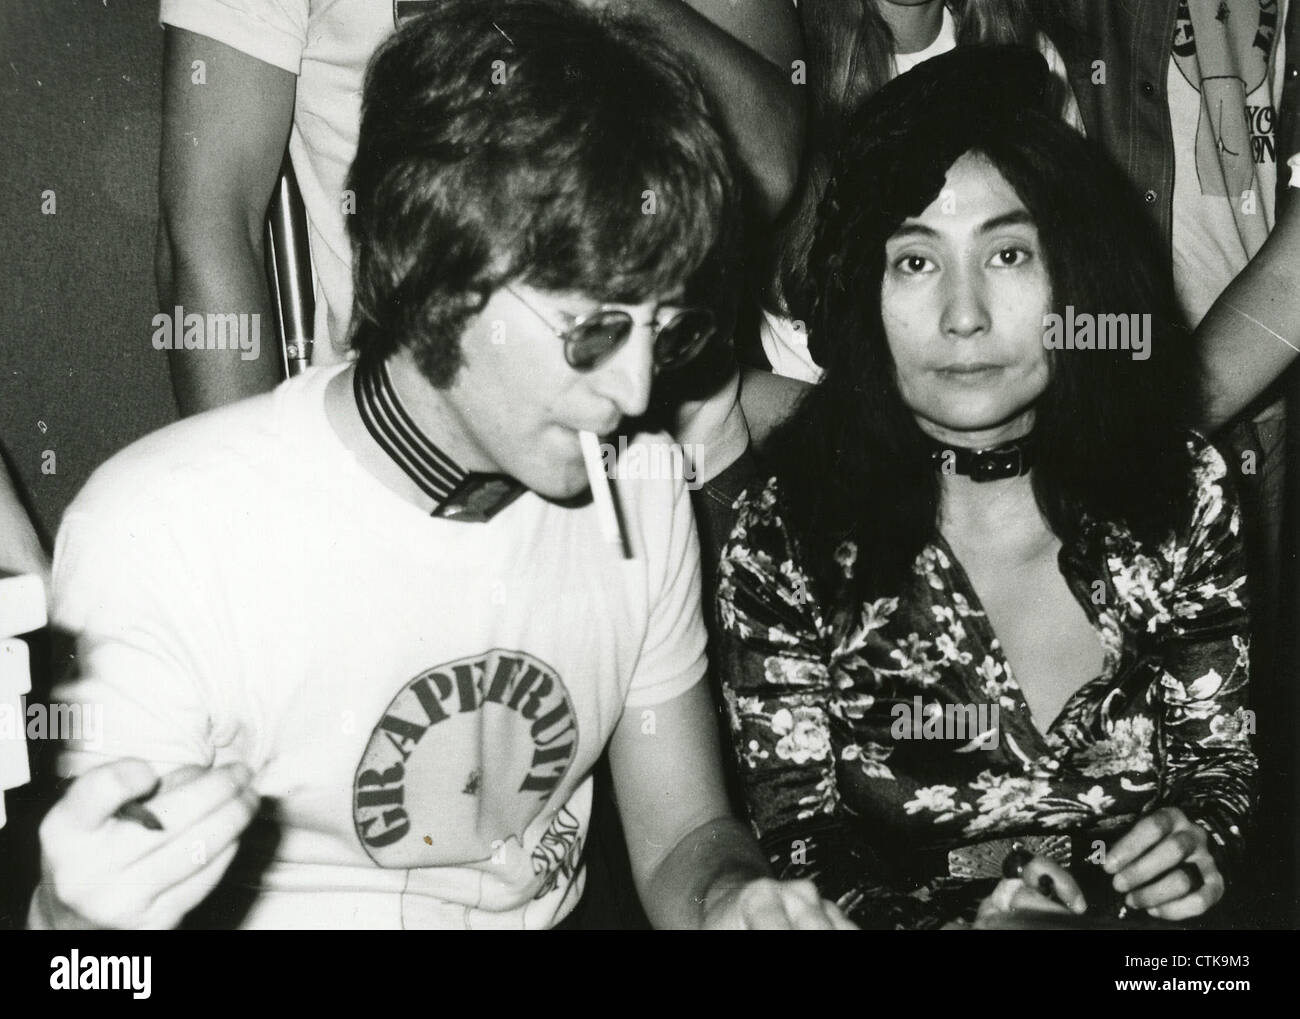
[[830, 708]]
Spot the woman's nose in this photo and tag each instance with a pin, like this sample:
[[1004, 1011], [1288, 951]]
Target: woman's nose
[[965, 308]]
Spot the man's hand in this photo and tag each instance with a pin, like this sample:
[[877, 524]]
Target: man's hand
[[100, 871], [1043, 886], [1165, 866], [767, 904]]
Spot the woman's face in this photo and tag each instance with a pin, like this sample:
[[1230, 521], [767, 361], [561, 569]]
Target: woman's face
[[963, 298]]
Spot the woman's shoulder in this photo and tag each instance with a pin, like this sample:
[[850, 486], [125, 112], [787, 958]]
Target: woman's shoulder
[[759, 521], [1212, 488], [1210, 492], [764, 517], [766, 597], [1199, 563], [762, 498]]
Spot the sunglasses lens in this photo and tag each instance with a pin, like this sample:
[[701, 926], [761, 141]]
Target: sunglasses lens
[[683, 337], [595, 338]]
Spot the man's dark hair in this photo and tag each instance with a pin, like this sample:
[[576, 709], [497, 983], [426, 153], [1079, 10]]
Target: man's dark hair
[[537, 141], [1109, 439]]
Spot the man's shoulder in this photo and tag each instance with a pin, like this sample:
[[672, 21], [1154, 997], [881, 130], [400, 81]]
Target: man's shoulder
[[192, 460]]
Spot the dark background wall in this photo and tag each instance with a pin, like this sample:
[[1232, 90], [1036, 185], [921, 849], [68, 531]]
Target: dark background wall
[[79, 115]]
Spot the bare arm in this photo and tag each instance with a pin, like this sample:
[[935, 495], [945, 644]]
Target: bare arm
[[222, 145], [744, 53], [668, 780], [768, 400], [1252, 332], [20, 548], [694, 865]]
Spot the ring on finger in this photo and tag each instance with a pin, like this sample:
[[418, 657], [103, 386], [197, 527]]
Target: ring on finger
[[1194, 875], [1014, 863]]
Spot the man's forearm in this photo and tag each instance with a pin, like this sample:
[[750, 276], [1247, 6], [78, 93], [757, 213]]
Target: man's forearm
[[1252, 332], [704, 868], [20, 548], [220, 274], [762, 107], [767, 401]]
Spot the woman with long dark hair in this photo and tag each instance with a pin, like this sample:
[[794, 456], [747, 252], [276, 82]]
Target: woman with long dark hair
[[984, 623], [853, 48]]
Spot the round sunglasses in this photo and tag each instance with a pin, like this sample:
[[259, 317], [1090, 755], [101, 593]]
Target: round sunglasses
[[593, 338]]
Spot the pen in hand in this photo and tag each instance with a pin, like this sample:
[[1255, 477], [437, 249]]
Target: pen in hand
[[135, 810]]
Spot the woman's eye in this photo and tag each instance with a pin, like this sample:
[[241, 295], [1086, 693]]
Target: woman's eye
[[1011, 256], [912, 264]]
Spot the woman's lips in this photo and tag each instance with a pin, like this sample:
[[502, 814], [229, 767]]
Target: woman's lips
[[969, 372]]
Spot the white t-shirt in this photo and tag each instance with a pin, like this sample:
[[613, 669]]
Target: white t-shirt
[[327, 44], [785, 340], [423, 699], [1225, 78]]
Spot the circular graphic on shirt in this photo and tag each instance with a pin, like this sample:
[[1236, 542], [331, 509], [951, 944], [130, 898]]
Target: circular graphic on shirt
[[464, 758]]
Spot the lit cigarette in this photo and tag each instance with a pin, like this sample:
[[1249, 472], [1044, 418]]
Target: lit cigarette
[[611, 527]]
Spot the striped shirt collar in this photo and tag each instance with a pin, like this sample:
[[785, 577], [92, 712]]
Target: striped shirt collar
[[457, 494]]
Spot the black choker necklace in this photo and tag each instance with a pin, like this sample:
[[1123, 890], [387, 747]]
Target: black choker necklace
[[1009, 460], [457, 494]]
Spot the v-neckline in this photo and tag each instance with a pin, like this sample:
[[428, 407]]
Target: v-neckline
[[979, 619]]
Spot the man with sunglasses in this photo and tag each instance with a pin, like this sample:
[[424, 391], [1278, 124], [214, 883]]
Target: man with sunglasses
[[365, 630]]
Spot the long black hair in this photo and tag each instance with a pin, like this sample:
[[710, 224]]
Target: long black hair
[[1108, 432], [850, 55]]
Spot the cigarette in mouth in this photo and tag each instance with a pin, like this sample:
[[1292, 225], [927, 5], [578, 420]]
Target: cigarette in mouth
[[611, 526]]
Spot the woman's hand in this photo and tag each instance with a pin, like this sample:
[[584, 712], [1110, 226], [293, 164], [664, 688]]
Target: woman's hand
[[1165, 866], [1042, 887]]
